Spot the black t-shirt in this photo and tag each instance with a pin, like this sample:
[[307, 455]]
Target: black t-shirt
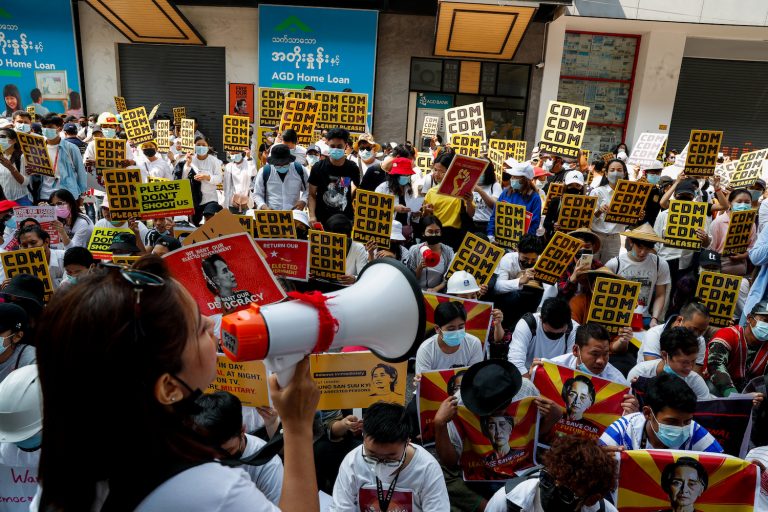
[[334, 188], [373, 177]]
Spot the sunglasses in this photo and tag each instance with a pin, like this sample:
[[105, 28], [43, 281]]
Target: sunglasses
[[567, 496], [139, 280]]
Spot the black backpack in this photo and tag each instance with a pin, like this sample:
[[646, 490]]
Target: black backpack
[[530, 320], [527, 475], [296, 167]]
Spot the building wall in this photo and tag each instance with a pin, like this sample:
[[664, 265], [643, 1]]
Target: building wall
[[723, 12]]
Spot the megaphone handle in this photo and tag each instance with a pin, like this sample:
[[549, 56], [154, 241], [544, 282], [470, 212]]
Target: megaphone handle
[[283, 366]]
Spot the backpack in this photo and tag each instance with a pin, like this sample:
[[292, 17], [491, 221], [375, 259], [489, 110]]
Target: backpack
[[296, 167], [527, 475], [530, 320]]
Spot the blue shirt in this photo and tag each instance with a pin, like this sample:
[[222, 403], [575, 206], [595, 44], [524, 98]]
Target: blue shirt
[[758, 255], [531, 202], [627, 431]]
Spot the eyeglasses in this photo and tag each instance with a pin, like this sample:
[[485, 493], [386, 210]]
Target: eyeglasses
[[391, 463], [567, 496], [138, 279]]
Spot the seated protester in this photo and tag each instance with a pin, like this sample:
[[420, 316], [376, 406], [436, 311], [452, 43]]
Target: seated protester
[[454, 213], [238, 181], [387, 462], [209, 210], [396, 248], [341, 433], [521, 192], [679, 352], [590, 354], [665, 421], [740, 200], [451, 346], [106, 221], [463, 284], [27, 292], [152, 163], [165, 244], [694, 317], [576, 475], [431, 279], [357, 254], [515, 291], [574, 185], [279, 185], [301, 223], [220, 422], [14, 351], [569, 282], [74, 228], [332, 181], [35, 236], [399, 184], [78, 261], [639, 264], [486, 193], [544, 335], [652, 208], [160, 226], [125, 244], [609, 232]]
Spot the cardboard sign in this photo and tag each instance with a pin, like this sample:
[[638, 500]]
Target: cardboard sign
[[110, 153], [646, 149], [222, 224], [31, 111], [45, 215], [163, 135], [121, 192], [509, 227], [225, 275], [466, 119], [287, 258], [720, 293], [433, 388], [327, 254], [236, 133], [246, 380], [346, 110], [497, 159], [137, 126], [703, 147], [462, 175], [424, 161], [556, 189], [120, 104], [510, 148], [556, 257], [374, 213], [273, 224], [241, 101], [430, 126], [729, 420], [300, 115], [29, 261], [187, 134], [478, 321], [613, 303], [101, 239], [478, 257], [179, 113], [739, 230], [628, 202], [576, 212], [165, 199], [36, 157], [748, 169], [684, 218], [125, 259], [271, 103], [564, 128], [349, 380], [468, 145]]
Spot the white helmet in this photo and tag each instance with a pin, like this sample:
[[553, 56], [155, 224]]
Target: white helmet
[[107, 118], [21, 405], [462, 282]]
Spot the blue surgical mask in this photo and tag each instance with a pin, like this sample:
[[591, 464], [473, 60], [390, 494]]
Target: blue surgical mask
[[740, 207], [653, 179], [336, 153], [282, 169], [70, 279], [237, 158], [671, 436], [49, 133], [404, 180], [760, 330], [453, 338], [312, 160], [32, 444], [11, 223], [583, 368], [23, 127], [3, 348], [5, 143], [365, 155], [516, 184], [756, 194], [201, 150], [109, 133], [668, 369]]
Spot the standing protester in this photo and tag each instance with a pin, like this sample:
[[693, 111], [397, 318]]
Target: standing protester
[[291, 139], [66, 161], [13, 179], [454, 213], [332, 181], [70, 135], [610, 242], [365, 148], [399, 184], [15, 350], [486, 193], [574, 185], [238, 181], [204, 169], [152, 164]]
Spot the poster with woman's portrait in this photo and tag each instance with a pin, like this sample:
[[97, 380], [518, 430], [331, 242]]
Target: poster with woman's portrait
[[684, 481], [478, 314], [241, 102], [432, 390], [591, 404], [225, 274]]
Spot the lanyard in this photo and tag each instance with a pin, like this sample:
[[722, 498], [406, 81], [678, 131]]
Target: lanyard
[[384, 499]]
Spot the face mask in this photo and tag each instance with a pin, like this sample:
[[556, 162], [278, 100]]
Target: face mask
[[365, 155], [11, 223], [49, 133], [62, 211], [622, 155], [270, 140], [108, 133], [516, 184], [671, 436], [70, 279], [653, 179], [386, 472], [201, 150], [583, 368], [404, 180], [282, 169], [668, 369], [237, 158], [32, 444], [336, 153], [547, 166], [23, 127], [3, 348], [433, 239], [5, 144], [740, 207], [91, 124], [312, 160], [760, 330], [117, 223], [614, 176], [453, 338], [566, 167], [756, 194], [150, 152], [554, 335]]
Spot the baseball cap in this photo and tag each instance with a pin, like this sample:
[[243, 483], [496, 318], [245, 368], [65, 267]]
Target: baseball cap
[[685, 188], [760, 183], [70, 128], [168, 241], [25, 286], [12, 318], [574, 177], [709, 258], [523, 169], [402, 167], [761, 308]]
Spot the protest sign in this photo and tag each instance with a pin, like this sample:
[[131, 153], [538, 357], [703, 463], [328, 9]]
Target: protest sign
[[29, 261], [287, 258], [271, 102], [740, 229], [273, 224], [613, 303], [607, 157], [179, 113], [726, 170], [137, 126], [478, 322], [241, 101], [466, 119], [236, 133], [110, 153], [31, 111], [430, 126], [576, 212], [556, 189], [346, 110], [225, 275], [327, 254], [36, 157], [729, 420], [123, 259], [163, 135], [221, 224], [703, 147], [433, 388], [509, 227], [424, 161], [509, 148], [646, 149], [720, 293], [556, 257], [628, 202], [462, 175], [246, 380], [497, 456], [374, 213], [478, 257], [187, 134], [654, 480], [748, 169], [684, 218], [101, 239], [349, 380], [45, 215], [120, 104], [165, 199], [121, 192], [564, 128], [300, 115], [497, 159], [468, 145], [591, 404]]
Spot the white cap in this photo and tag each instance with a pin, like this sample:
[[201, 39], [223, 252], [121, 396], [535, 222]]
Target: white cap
[[523, 169], [5, 123], [397, 231], [510, 162], [21, 405], [323, 147], [655, 166], [574, 177], [462, 282], [301, 216]]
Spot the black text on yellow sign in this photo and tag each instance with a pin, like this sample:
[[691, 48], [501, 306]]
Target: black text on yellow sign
[[327, 254], [424, 160], [468, 145], [497, 159], [110, 153], [29, 261], [179, 113], [748, 169], [720, 293], [120, 104], [301, 116], [137, 126], [558, 254], [271, 103], [510, 148], [478, 257], [163, 135], [556, 189], [510, 224], [121, 192], [274, 224], [342, 109], [31, 111], [248, 223], [628, 202], [703, 147], [101, 239], [739, 230], [236, 133], [165, 199], [564, 128], [613, 303], [35, 149], [576, 212], [373, 217], [188, 134], [684, 218]]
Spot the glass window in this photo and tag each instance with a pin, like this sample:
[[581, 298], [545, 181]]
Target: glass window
[[426, 74], [513, 80], [488, 78], [451, 75]]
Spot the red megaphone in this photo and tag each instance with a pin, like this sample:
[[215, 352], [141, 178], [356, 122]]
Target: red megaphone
[[429, 257]]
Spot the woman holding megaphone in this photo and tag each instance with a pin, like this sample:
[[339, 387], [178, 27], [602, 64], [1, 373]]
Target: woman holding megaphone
[[430, 259], [135, 339]]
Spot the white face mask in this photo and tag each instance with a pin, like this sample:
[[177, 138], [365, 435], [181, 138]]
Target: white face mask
[[547, 165]]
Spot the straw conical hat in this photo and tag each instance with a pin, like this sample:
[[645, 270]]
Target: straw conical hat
[[644, 232]]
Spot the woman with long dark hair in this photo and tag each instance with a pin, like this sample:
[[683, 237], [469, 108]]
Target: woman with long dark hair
[[12, 100], [610, 243], [74, 227]]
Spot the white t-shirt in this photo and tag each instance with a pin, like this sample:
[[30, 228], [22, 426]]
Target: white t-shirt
[[158, 168], [652, 344], [694, 380], [604, 195], [268, 477], [357, 258], [430, 357], [525, 347], [526, 496], [482, 210], [610, 372], [18, 477], [210, 166], [422, 477], [650, 272]]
